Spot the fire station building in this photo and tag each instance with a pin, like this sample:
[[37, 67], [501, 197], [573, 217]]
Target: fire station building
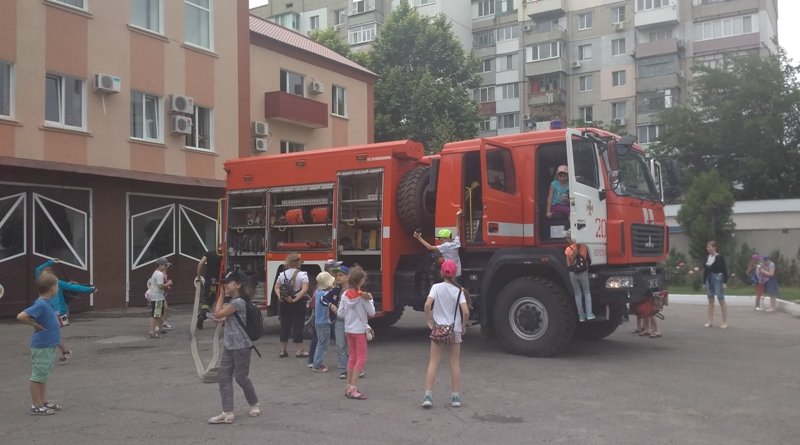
[[116, 118]]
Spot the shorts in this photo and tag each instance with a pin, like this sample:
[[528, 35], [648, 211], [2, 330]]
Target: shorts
[[157, 308], [43, 360]]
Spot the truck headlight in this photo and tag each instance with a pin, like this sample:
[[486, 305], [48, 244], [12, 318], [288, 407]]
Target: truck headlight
[[619, 282]]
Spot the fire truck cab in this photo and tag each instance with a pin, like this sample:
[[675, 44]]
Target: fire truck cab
[[361, 205]]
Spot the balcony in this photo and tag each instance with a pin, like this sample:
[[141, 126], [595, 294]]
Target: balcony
[[710, 9], [543, 8], [671, 80], [295, 109], [545, 36], [547, 98], [658, 48], [668, 15], [539, 67]]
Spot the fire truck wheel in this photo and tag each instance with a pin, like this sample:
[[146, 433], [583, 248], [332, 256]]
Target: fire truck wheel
[[387, 320], [597, 330], [415, 204], [533, 317]]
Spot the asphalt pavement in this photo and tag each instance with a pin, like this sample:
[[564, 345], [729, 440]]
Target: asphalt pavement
[[694, 385]]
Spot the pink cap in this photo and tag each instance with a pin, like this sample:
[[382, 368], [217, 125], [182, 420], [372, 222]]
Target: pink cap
[[449, 268], [562, 169]]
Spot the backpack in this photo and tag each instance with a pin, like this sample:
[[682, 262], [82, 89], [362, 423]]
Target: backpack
[[579, 263], [254, 322], [287, 286]]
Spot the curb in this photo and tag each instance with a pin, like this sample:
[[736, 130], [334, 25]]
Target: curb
[[787, 307]]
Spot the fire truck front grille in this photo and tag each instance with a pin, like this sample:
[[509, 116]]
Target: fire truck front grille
[[647, 239]]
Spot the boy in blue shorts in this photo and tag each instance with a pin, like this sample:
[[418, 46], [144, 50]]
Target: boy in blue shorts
[[45, 340]]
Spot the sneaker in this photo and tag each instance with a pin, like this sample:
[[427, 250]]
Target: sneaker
[[41, 411], [309, 365], [362, 374], [222, 418], [581, 318], [167, 327], [427, 401], [322, 368], [343, 375], [255, 411], [455, 401], [590, 317], [758, 308], [53, 406]]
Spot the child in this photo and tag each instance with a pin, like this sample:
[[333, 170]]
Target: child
[[337, 318], [449, 298], [237, 347], [156, 286], [322, 322], [579, 276], [450, 243], [312, 349], [558, 196], [357, 306], [45, 339]]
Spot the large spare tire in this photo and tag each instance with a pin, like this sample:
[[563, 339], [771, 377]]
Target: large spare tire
[[415, 203]]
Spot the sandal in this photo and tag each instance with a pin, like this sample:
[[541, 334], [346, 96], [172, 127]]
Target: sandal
[[154, 335], [53, 406], [41, 411], [301, 354], [655, 335], [355, 395], [283, 354], [637, 331], [65, 357], [644, 332]]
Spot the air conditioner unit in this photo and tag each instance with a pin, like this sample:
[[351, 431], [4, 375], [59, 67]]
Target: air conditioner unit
[[525, 117], [618, 26], [632, 53], [619, 122], [181, 125], [106, 83], [576, 64], [260, 144], [260, 128], [316, 88], [527, 28], [181, 104]]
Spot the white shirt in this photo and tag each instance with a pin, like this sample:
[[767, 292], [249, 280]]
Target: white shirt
[[444, 304], [710, 260], [297, 284], [356, 313], [449, 251], [153, 285]]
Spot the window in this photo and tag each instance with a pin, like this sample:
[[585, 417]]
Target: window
[[663, 34], [500, 170], [6, 87], [64, 97], [292, 83], [198, 233], [585, 162], [198, 23], [152, 235], [648, 133], [585, 83], [618, 110], [484, 94], [338, 101], [339, 17], [360, 6], [483, 38], [60, 231], [485, 125], [618, 78], [586, 114], [510, 120], [655, 101], [509, 62], [727, 27], [288, 20], [584, 21], [80, 4], [363, 34], [202, 124], [509, 91], [618, 14], [146, 14], [486, 65], [145, 116], [422, 2], [585, 52], [13, 226], [507, 6], [485, 8], [545, 25], [657, 66], [292, 147], [314, 22], [543, 51], [618, 47], [644, 5], [507, 33]]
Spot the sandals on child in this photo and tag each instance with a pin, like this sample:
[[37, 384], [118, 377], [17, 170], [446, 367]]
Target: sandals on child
[[65, 357], [283, 354], [301, 354], [355, 395]]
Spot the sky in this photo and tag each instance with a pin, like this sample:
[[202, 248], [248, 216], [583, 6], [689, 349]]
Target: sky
[[788, 32]]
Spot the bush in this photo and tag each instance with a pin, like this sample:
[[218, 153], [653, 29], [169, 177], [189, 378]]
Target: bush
[[786, 270], [677, 268], [741, 261]]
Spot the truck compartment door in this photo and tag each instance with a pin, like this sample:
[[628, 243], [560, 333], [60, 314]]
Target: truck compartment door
[[588, 215], [503, 222]]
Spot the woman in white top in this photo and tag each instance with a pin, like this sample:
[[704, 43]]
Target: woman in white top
[[449, 298], [293, 305]]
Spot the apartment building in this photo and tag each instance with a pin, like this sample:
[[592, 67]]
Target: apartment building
[[116, 118]]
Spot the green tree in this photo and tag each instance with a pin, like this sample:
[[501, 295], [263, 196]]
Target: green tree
[[706, 214], [425, 83], [743, 122], [329, 38]]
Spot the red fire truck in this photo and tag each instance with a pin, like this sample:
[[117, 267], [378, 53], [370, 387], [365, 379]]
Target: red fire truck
[[362, 204]]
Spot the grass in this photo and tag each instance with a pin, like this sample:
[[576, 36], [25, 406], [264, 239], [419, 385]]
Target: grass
[[787, 293]]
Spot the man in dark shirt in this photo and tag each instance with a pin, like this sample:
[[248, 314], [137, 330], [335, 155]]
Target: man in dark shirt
[[208, 268]]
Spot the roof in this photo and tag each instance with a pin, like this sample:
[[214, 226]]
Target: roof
[[301, 42], [745, 207]]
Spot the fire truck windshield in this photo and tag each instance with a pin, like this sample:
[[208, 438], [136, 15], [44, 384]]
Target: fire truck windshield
[[634, 176]]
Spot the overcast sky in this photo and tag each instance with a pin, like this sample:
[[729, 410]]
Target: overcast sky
[[788, 27]]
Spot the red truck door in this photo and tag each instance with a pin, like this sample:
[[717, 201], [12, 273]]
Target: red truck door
[[503, 222], [587, 211]]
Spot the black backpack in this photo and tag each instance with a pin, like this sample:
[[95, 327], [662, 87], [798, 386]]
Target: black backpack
[[578, 264], [254, 326], [287, 286]]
